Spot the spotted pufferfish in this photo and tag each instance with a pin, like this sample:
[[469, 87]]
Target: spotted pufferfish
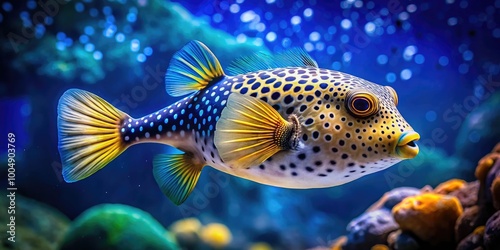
[[277, 119]]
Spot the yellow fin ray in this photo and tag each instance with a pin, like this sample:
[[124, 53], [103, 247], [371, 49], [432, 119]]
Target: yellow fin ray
[[176, 175], [191, 69], [250, 131], [88, 130]]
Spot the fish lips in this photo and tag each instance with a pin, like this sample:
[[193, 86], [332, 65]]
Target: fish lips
[[406, 147]]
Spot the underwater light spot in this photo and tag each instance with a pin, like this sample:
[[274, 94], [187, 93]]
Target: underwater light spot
[[390, 29], [344, 38], [106, 10], [308, 47], [390, 77], [419, 59], [141, 58], [405, 74], [295, 20], [370, 27], [314, 36], [89, 30], [83, 39], [268, 15], [463, 68], [403, 16], [60, 46], [131, 17], [234, 8], [148, 51], [347, 56], [241, 38], [286, 42], [79, 7], [308, 12], [474, 136], [217, 18], [7, 6], [31, 4], [409, 52], [336, 65], [93, 12], [320, 46], [496, 33], [346, 24], [248, 16], [120, 37], [109, 31], [135, 45], [430, 115], [411, 8], [60, 36], [271, 36], [331, 50], [382, 59], [260, 27], [468, 55], [443, 60], [332, 30], [97, 55], [452, 21]]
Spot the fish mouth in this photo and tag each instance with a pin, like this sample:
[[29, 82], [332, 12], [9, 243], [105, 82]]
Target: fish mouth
[[406, 147]]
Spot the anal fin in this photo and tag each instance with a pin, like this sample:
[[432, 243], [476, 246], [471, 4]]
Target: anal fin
[[177, 175], [250, 131]]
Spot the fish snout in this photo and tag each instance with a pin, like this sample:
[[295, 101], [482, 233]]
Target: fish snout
[[406, 147]]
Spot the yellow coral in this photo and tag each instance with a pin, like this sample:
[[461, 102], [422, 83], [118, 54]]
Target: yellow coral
[[380, 247], [450, 186], [216, 235], [185, 226], [260, 246], [431, 217]]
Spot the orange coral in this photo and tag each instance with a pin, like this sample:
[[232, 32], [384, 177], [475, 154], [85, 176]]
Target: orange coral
[[479, 230], [484, 165], [339, 243], [495, 192], [450, 186], [380, 247], [431, 217]]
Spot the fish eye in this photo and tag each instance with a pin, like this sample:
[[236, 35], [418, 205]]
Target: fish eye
[[361, 104], [394, 94]]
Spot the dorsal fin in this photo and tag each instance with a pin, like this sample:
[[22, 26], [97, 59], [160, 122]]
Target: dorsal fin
[[192, 68], [295, 57]]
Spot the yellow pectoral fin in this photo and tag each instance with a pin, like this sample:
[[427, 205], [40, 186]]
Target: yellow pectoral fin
[[177, 175], [250, 131]]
